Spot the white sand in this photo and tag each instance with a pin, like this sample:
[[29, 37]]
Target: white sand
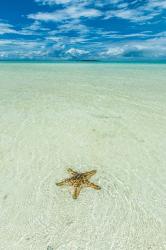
[[109, 117]]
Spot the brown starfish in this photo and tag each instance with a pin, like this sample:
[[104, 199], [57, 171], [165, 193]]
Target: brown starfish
[[78, 181]]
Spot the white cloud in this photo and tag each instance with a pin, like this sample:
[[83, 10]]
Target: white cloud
[[51, 47], [159, 4], [114, 51], [6, 28], [140, 12], [99, 3], [36, 26], [150, 48], [34, 29], [71, 12], [133, 11], [76, 52], [52, 2], [131, 35], [13, 48], [133, 15], [5, 42], [67, 48], [54, 38], [73, 25]]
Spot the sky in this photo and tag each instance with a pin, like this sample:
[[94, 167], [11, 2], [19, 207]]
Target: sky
[[83, 29]]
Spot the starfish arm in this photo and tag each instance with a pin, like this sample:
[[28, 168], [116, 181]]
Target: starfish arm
[[92, 185], [71, 171], [89, 174], [76, 192], [62, 183]]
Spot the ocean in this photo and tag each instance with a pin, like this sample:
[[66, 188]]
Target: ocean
[[110, 117]]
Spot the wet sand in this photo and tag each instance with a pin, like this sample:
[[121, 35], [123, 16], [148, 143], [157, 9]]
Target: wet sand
[[108, 117]]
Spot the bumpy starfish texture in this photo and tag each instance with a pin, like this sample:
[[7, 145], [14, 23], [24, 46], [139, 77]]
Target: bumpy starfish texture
[[78, 181]]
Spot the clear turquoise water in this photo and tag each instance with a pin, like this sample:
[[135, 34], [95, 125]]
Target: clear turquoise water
[[108, 117]]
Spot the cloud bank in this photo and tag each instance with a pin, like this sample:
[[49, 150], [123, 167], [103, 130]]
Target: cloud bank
[[77, 29]]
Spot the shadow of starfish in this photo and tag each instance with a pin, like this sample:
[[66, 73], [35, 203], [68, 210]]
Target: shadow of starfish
[[78, 181]]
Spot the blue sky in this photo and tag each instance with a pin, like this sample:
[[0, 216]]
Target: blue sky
[[83, 29]]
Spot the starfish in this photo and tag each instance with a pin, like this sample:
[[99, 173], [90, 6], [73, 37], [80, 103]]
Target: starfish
[[78, 181]]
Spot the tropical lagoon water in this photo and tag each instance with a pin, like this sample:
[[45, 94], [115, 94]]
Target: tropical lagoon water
[[108, 117]]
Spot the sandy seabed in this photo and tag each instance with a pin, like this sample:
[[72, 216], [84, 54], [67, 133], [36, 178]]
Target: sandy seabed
[[108, 117]]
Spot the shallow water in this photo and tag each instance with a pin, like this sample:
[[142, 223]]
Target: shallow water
[[108, 117]]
